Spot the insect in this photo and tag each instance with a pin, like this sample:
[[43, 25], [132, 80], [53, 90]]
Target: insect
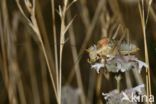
[[107, 48], [127, 48], [103, 48]]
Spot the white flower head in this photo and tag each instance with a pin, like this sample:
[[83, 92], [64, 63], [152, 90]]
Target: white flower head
[[124, 63], [139, 88], [124, 97], [97, 67], [70, 95], [141, 64], [110, 94]]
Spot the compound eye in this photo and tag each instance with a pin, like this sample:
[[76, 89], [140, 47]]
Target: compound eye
[[103, 42]]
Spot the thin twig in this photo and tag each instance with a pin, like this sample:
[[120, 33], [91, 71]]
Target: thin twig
[[35, 27], [55, 42], [77, 68], [142, 16]]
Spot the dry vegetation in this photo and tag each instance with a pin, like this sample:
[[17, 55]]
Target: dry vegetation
[[45, 56]]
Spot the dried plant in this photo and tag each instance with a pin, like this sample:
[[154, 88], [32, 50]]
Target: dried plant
[[116, 58]]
